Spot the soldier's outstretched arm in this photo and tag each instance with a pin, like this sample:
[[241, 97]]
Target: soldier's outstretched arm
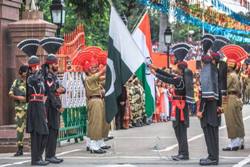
[[162, 72], [170, 80]]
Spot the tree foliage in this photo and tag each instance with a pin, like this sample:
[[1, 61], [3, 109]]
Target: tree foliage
[[94, 15]]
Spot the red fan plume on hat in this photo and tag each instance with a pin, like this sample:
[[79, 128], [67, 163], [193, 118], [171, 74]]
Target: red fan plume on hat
[[234, 52], [90, 56]]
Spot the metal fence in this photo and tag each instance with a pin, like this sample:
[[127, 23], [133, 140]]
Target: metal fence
[[74, 117]]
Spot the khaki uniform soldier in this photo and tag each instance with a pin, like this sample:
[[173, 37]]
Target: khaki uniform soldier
[[233, 110], [18, 93], [98, 128]]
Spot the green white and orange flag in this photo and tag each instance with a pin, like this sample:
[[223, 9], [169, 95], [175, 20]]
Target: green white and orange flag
[[124, 60], [142, 37]]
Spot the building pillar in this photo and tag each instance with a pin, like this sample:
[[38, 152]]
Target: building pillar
[[9, 12]]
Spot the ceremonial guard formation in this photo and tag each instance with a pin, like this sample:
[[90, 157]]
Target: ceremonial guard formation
[[18, 93], [216, 88], [53, 91], [183, 94]]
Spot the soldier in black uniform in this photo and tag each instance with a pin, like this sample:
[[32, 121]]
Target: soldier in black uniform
[[210, 100], [36, 116], [53, 91], [183, 95], [219, 43]]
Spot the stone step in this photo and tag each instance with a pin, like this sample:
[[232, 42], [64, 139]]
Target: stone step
[[8, 142]]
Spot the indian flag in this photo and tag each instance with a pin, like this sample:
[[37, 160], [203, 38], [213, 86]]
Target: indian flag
[[124, 60], [142, 37]]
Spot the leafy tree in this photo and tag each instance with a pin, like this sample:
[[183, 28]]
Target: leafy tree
[[94, 15]]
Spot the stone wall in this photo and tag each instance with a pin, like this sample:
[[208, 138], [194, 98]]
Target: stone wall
[[9, 12]]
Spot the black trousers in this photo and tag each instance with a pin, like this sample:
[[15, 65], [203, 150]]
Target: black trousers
[[52, 141], [212, 141], [181, 135], [38, 144], [119, 117]]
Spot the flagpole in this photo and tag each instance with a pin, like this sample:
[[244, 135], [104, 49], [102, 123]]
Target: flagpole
[[139, 20], [110, 2]]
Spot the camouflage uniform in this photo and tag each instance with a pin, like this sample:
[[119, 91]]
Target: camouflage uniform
[[20, 108], [136, 101]]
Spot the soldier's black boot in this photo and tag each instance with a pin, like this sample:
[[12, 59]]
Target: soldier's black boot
[[208, 162], [19, 151], [180, 157]]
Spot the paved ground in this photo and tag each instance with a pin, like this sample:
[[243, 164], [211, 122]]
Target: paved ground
[[146, 147]]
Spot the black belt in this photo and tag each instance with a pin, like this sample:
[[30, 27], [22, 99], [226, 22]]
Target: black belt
[[95, 97], [232, 93]]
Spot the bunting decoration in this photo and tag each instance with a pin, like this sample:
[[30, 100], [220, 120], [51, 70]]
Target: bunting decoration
[[215, 18], [230, 25], [220, 6], [233, 35]]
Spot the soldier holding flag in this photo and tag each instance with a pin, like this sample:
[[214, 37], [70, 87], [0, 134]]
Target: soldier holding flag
[[98, 128], [183, 94]]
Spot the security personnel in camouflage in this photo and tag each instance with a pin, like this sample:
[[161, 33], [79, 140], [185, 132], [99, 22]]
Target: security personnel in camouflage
[[18, 93], [136, 100]]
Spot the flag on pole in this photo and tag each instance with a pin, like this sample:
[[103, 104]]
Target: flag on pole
[[142, 37], [124, 60]]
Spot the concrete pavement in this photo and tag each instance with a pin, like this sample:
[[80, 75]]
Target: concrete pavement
[[147, 146]]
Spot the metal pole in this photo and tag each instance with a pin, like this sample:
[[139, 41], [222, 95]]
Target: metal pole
[[58, 31], [168, 57]]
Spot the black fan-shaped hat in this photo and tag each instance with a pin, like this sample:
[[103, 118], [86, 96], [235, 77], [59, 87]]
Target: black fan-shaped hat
[[51, 44], [180, 51], [29, 46], [219, 43], [207, 42]]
